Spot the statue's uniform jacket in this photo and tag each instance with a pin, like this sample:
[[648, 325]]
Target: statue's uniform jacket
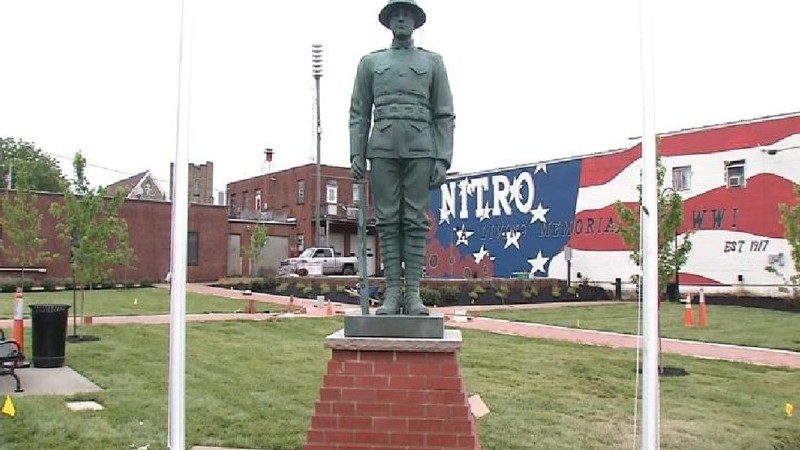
[[401, 120], [413, 106]]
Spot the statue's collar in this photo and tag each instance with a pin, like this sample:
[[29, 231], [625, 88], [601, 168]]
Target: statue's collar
[[404, 44]]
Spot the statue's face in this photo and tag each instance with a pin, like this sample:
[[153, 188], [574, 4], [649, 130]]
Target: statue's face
[[402, 21]]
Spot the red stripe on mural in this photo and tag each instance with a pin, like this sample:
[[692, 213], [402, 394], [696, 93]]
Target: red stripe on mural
[[728, 209], [735, 136], [598, 170], [742, 209], [698, 280]]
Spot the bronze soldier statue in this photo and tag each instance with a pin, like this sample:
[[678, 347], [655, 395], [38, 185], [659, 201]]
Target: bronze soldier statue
[[403, 95]]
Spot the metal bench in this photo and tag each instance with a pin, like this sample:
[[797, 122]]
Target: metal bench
[[10, 357]]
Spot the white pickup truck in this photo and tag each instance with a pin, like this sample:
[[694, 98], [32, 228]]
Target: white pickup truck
[[326, 258]]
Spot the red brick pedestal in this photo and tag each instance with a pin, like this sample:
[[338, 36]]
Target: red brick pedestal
[[392, 394]]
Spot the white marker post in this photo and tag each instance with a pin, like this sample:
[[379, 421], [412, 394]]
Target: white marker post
[[180, 225], [649, 245]]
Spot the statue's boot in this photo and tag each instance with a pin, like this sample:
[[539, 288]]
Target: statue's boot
[[390, 252], [414, 257]]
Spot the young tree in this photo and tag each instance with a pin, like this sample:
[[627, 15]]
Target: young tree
[[22, 224], [672, 252], [90, 225], [790, 218], [258, 240], [44, 173]]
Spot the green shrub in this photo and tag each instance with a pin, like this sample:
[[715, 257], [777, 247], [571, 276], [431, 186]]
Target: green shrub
[[282, 288], [530, 291], [479, 289], [308, 291], [430, 297], [448, 295], [49, 285], [556, 291], [269, 283], [324, 288], [256, 284], [572, 290], [526, 292], [340, 288], [473, 296]]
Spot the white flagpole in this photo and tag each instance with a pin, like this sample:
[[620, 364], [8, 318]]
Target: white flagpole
[[180, 225], [649, 249]]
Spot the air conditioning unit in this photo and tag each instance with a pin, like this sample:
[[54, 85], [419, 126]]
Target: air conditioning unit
[[352, 213], [736, 181]]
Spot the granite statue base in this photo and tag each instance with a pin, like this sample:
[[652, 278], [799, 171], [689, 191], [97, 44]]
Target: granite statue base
[[394, 326]]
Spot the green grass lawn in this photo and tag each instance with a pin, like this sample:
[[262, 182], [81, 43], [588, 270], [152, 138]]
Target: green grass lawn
[[126, 302], [726, 324], [253, 385]]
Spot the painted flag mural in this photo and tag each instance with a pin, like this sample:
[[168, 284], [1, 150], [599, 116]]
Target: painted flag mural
[[519, 220]]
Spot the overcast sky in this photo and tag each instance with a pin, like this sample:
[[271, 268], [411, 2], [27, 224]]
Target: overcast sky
[[531, 80]]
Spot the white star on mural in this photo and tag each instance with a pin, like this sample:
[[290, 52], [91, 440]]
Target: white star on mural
[[444, 214], [542, 167], [539, 213], [463, 236], [482, 253], [485, 212], [537, 264], [512, 238]]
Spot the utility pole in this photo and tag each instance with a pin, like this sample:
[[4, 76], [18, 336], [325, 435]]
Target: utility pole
[[316, 71]]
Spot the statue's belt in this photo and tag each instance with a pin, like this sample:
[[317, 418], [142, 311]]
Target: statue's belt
[[402, 111]]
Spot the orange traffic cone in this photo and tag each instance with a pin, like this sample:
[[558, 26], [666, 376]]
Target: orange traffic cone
[[329, 311], [688, 316], [18, 327], [703, 314]]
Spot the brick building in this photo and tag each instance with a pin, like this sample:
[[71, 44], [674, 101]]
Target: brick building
[[149, 230], [286, 199]]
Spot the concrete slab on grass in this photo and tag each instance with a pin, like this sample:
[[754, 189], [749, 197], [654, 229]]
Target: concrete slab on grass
[[84, 406], [55, 381]]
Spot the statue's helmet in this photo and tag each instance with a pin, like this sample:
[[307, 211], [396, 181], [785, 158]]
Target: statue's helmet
[[419, 14]]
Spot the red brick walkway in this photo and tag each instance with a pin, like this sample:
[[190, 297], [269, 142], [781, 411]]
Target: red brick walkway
[[751, 355]]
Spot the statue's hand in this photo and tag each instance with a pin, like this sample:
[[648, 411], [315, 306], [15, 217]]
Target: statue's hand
[[358, 168], [439, 173]]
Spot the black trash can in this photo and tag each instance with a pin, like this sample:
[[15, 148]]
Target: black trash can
[[49, 334]]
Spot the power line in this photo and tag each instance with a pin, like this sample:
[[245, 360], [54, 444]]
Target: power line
[[97, 166]]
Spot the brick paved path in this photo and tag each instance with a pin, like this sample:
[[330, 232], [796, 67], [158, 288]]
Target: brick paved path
[[751, 355]]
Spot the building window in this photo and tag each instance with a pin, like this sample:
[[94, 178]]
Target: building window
[[355, 193], [258, 199], [245, 200], [301, 243], [734, 173], [301, 192], [193, 249], [332, 193], [682, 178]]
